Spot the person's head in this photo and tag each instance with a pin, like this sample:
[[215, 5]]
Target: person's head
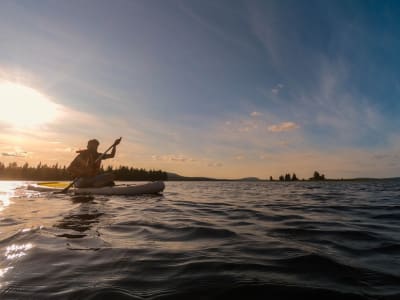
[[92, 145]]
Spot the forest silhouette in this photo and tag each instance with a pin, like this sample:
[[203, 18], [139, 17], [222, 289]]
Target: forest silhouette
[[13, 171]]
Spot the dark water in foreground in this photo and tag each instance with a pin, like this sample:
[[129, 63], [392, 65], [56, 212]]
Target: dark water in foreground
[[204, 240]]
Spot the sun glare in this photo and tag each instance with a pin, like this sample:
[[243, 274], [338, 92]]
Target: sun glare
[[23, 106]]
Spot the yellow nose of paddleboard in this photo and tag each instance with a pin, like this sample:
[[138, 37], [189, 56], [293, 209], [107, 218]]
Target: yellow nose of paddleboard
[[54, 184]]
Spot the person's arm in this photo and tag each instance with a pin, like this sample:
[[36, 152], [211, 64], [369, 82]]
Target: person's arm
[[113, 150], [112, 154]]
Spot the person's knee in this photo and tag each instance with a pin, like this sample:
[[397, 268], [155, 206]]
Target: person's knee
[[104, 180], [83, 182]]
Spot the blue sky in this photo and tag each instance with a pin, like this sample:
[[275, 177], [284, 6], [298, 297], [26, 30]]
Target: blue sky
[[212, 88]]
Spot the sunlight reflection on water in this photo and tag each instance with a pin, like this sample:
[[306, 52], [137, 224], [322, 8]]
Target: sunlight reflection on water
[[5, 199], [2, 273], [17, 251], [12, 254], [7, 191], [14, 251]]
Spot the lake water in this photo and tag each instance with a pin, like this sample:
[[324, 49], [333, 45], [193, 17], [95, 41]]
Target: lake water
[[204, 240]]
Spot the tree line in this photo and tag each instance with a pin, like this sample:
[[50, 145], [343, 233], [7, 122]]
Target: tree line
[[13, 171], [293, 177]]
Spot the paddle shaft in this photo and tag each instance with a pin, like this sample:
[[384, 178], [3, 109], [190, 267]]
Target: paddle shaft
[[68, 187]]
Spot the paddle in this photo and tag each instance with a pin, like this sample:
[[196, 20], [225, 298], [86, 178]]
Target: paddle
[[65, 190]]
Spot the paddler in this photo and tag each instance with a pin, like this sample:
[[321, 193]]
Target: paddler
[[85, 168]]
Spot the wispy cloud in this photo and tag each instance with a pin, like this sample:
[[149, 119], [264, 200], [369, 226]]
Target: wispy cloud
[[333, 107], [248, 125], [215, 164], [285, 126], [276, 89], [239, 157], [66, 150], [187, 165], [256, 114], [173, 158], [215, 27], [15, 154]]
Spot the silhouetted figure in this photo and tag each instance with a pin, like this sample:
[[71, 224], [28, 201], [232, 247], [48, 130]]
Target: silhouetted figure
[[86, 166]]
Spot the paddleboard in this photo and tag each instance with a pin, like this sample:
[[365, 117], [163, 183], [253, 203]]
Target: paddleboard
[[136, 189]]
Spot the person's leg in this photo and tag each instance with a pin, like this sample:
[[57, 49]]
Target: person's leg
[[105, 179], [84, 182]]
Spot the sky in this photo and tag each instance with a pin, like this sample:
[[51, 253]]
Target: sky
[[224, 89]]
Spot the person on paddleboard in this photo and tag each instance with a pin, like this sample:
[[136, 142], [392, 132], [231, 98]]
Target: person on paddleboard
[[86, 166]]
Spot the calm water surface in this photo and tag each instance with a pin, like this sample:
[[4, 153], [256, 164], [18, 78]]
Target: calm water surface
[[204, 240]]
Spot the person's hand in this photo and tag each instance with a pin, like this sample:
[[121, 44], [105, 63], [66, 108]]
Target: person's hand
[[117, 141]]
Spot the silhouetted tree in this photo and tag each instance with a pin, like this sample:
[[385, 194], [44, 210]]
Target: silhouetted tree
[[317, 176]]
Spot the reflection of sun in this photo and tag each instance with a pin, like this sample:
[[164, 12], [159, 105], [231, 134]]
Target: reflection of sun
[[23, 106]]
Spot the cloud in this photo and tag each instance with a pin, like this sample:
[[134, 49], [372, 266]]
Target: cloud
[[215, 164], [248, 125], [67, 149], [173, 158], [15, 154], [239, 157], [180, 159], [334, 106], [284, 126], [256, 114], [218, 30], [276, 89]]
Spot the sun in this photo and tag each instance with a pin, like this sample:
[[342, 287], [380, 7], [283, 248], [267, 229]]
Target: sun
[[23, 106]]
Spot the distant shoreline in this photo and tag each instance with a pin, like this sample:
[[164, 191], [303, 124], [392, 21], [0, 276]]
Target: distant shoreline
[[44, 172], [279, 181], [176, 177]]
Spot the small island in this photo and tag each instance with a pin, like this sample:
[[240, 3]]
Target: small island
[[293, 177]]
